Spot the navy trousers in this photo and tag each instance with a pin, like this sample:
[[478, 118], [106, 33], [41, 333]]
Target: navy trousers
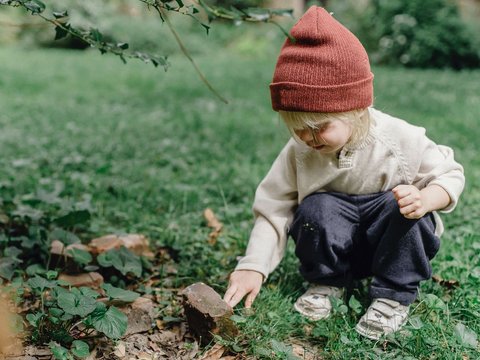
[[343, 237]]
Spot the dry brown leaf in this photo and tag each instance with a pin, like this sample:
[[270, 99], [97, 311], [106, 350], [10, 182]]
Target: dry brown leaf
[[215, 353], [212, 222], [120, 350], [449, 284], [136, 243], [92, 279]]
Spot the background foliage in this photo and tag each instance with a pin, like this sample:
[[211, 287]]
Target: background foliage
[[414, 33]]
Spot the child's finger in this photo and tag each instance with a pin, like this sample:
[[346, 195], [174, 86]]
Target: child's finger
[[229, 293], [250, 299], [236, 298], [405, 201], [408, 209], [402, 192]]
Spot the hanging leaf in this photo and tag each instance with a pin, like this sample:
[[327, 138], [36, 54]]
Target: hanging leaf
[[120, 294], [60, 32], [59, 15], [35, 6]]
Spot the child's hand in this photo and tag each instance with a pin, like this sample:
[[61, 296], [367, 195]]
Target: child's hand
[[243, 282], [410, 201]]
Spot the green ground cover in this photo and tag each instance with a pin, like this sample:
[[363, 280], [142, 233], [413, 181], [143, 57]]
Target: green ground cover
[[151, 150]]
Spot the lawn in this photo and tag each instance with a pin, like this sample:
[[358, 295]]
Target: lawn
[[150, 150]]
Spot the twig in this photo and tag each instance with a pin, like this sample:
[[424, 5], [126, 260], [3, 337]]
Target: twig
[[187, 54]]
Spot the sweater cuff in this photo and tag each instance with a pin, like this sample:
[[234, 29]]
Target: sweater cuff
[[247, 265]]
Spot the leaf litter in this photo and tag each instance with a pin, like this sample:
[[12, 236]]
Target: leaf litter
[[164, 332]]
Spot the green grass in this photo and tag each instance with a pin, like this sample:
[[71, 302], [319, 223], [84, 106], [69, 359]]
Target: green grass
[[154, 149]]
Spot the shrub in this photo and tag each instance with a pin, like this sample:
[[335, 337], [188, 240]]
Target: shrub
[[421, 33]]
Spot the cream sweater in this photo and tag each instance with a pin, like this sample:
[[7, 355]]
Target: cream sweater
[[394, 153]]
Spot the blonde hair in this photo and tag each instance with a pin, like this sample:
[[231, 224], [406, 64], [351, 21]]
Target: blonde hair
[[360, 121]]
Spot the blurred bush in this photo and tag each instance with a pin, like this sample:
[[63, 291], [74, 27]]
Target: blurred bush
[[413, 33], [132, 22]]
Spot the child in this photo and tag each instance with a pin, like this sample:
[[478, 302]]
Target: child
[[356, 189]]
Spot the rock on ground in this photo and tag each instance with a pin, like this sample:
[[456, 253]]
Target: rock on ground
[[207, 313]]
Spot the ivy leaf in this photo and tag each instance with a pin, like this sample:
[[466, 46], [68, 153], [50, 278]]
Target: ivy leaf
[[121, 259], [76, 304], [12, 252], [40, 284], [51, 274], [59, 352], [66, 237], [80, 256], [80, 349], [433, 302], [111, 322], [280, 347], [89, 292], [34, 319], [35, 269], [466, 336], [416, 322], [73, 218], [7, 268], [120, 294], [355, 305]]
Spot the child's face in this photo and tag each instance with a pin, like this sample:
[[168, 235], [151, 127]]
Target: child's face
[[330, 137]]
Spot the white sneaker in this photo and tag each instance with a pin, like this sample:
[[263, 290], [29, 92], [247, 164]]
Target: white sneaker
[[315, 304], [384, 316]]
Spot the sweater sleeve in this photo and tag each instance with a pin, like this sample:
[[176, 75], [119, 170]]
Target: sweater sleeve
[[438, 167], [273, 207]]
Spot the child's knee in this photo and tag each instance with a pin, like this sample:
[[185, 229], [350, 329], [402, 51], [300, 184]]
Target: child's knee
[[315, 207]]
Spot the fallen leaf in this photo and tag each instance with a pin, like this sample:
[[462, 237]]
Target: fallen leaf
[[449, 284], [215, 353], [120, 350], [212, 222], [92, 279], [298, 350], [136, 243]]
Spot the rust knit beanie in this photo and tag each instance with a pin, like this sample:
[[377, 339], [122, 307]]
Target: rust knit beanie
[[326, 68]]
